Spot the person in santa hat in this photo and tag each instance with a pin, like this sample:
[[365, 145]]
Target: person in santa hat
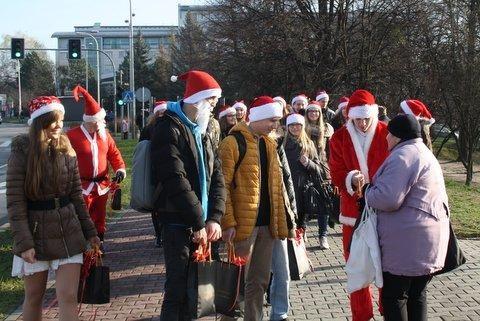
[[241, 109], [95, 150], [192, 196], [357, 150], [323, 98], [299, 103], [255, 215], [49, 221], [160, 106], [422, 114], [341, 116], [227, 119]]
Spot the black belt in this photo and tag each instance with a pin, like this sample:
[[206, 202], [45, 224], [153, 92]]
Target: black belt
[[51, 204], [94, 179]]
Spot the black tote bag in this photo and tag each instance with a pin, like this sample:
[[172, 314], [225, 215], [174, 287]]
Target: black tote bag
[[201, 287], [455, 257], [95, 288]]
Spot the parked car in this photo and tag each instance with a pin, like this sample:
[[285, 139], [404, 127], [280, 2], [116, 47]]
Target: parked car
[[441, 130]]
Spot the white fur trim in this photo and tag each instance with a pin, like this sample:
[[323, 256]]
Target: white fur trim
[[280, 100], [226, 112], [46, 109], [362, 154], [313, 107], [160, 108], [322, 96], [342, 105], [348, 182], [295, 119], [299, 97], [364, 111], [266, 111], [346, 220], [239, 104], [100, 116], [201, 95]]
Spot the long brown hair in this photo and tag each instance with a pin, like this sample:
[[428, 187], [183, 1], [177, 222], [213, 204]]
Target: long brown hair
[[307, 145], [43, 153], [309, 126]]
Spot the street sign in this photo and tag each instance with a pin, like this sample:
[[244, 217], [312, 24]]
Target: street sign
[[127, 96], [143, 94]]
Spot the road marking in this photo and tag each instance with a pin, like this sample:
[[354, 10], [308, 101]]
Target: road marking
[[6, 144]]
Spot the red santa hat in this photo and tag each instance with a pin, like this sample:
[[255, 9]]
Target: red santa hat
[[314, 105], [42, 105], [295, 119], [322, 95], [417, 109], [160, 105], [301, 97], [342, 103], [362, 105], [199, 86], [92, 111], [226, 110], [240, 105], [264, 107], [281, 101]]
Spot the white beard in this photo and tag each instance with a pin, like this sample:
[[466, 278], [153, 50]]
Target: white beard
[[102, 131], [203, 116]]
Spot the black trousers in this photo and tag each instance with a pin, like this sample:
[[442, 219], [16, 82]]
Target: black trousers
[[157, 225], [404, 298], [177, 248]]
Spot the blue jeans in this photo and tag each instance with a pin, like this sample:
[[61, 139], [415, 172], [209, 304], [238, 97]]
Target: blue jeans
[[279, 289], [322, 224]]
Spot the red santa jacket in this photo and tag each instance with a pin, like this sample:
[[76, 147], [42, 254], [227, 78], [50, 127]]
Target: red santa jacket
[[93, 156], [347, 156]]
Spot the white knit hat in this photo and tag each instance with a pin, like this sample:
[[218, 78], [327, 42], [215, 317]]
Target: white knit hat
[[295, 119]]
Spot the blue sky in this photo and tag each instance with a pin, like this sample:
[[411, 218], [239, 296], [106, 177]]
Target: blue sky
[[41, 18]]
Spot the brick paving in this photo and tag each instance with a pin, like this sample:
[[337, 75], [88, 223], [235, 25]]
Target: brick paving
[[138, 274]]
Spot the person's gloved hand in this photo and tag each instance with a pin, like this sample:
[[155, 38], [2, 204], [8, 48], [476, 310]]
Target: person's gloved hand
[[119, 176]]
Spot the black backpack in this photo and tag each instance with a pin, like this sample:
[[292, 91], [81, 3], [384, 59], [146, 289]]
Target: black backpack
[[242, 149]]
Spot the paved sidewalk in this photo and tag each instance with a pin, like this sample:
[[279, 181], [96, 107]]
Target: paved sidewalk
[[137, 276]]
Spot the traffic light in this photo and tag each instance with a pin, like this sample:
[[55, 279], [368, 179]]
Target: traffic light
[[74, 49], [18, 48], [120, 102]]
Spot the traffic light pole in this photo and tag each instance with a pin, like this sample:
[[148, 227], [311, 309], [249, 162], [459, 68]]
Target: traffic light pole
[[19, 91]]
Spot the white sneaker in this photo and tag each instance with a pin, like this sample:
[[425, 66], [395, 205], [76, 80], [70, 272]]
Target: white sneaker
[[324, 243]]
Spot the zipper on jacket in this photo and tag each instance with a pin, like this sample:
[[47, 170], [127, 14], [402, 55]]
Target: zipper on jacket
[[259, 179], [63, 235]]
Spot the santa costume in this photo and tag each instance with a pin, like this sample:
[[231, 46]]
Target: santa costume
[[352, 150], [94, 153]]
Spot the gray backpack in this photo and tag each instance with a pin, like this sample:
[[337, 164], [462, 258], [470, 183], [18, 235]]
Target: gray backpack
[[142, 190]]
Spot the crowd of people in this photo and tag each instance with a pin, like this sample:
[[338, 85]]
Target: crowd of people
[[238, 178]]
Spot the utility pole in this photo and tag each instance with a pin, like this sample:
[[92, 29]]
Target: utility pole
[[19, 90], [132, 77]]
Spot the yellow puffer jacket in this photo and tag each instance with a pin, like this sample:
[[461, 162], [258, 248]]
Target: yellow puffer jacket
[[243, 199]]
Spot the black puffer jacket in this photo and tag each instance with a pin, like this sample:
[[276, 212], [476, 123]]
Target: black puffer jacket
[[175, 166], [301, 175]]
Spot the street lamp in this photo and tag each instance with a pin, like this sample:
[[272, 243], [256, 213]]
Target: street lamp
[[98, 59], [132, 76]]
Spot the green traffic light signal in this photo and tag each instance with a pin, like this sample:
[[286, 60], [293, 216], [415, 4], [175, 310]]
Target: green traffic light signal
[[18, 55], [74, 49], [18, 48], [120, 102]]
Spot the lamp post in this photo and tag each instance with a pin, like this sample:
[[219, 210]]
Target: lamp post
[[98, 60], [132, 76]]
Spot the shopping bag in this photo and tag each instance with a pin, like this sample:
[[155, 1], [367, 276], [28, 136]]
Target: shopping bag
[[94, 286], [364, 262], [201, 283], [230, 284], [455, 256], [298, 261]]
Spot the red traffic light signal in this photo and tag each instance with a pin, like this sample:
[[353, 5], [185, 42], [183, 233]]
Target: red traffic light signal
[[18, 48], [74, 49]]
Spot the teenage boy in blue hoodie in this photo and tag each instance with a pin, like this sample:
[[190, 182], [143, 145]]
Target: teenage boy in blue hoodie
[[192, 198]]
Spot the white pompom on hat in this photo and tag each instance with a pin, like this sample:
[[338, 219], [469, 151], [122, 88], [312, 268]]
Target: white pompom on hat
[[264, 107], [295, 119]]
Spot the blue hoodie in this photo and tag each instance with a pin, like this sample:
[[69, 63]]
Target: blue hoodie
[[175, 107]]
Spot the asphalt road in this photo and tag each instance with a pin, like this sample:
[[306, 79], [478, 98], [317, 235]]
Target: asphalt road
[[7, 132]]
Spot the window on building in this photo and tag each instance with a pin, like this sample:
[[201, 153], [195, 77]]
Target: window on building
[[115, 43]]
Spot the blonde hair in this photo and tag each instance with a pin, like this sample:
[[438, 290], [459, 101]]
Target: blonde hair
[[310, 125], [307, 145], [43, 153]]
